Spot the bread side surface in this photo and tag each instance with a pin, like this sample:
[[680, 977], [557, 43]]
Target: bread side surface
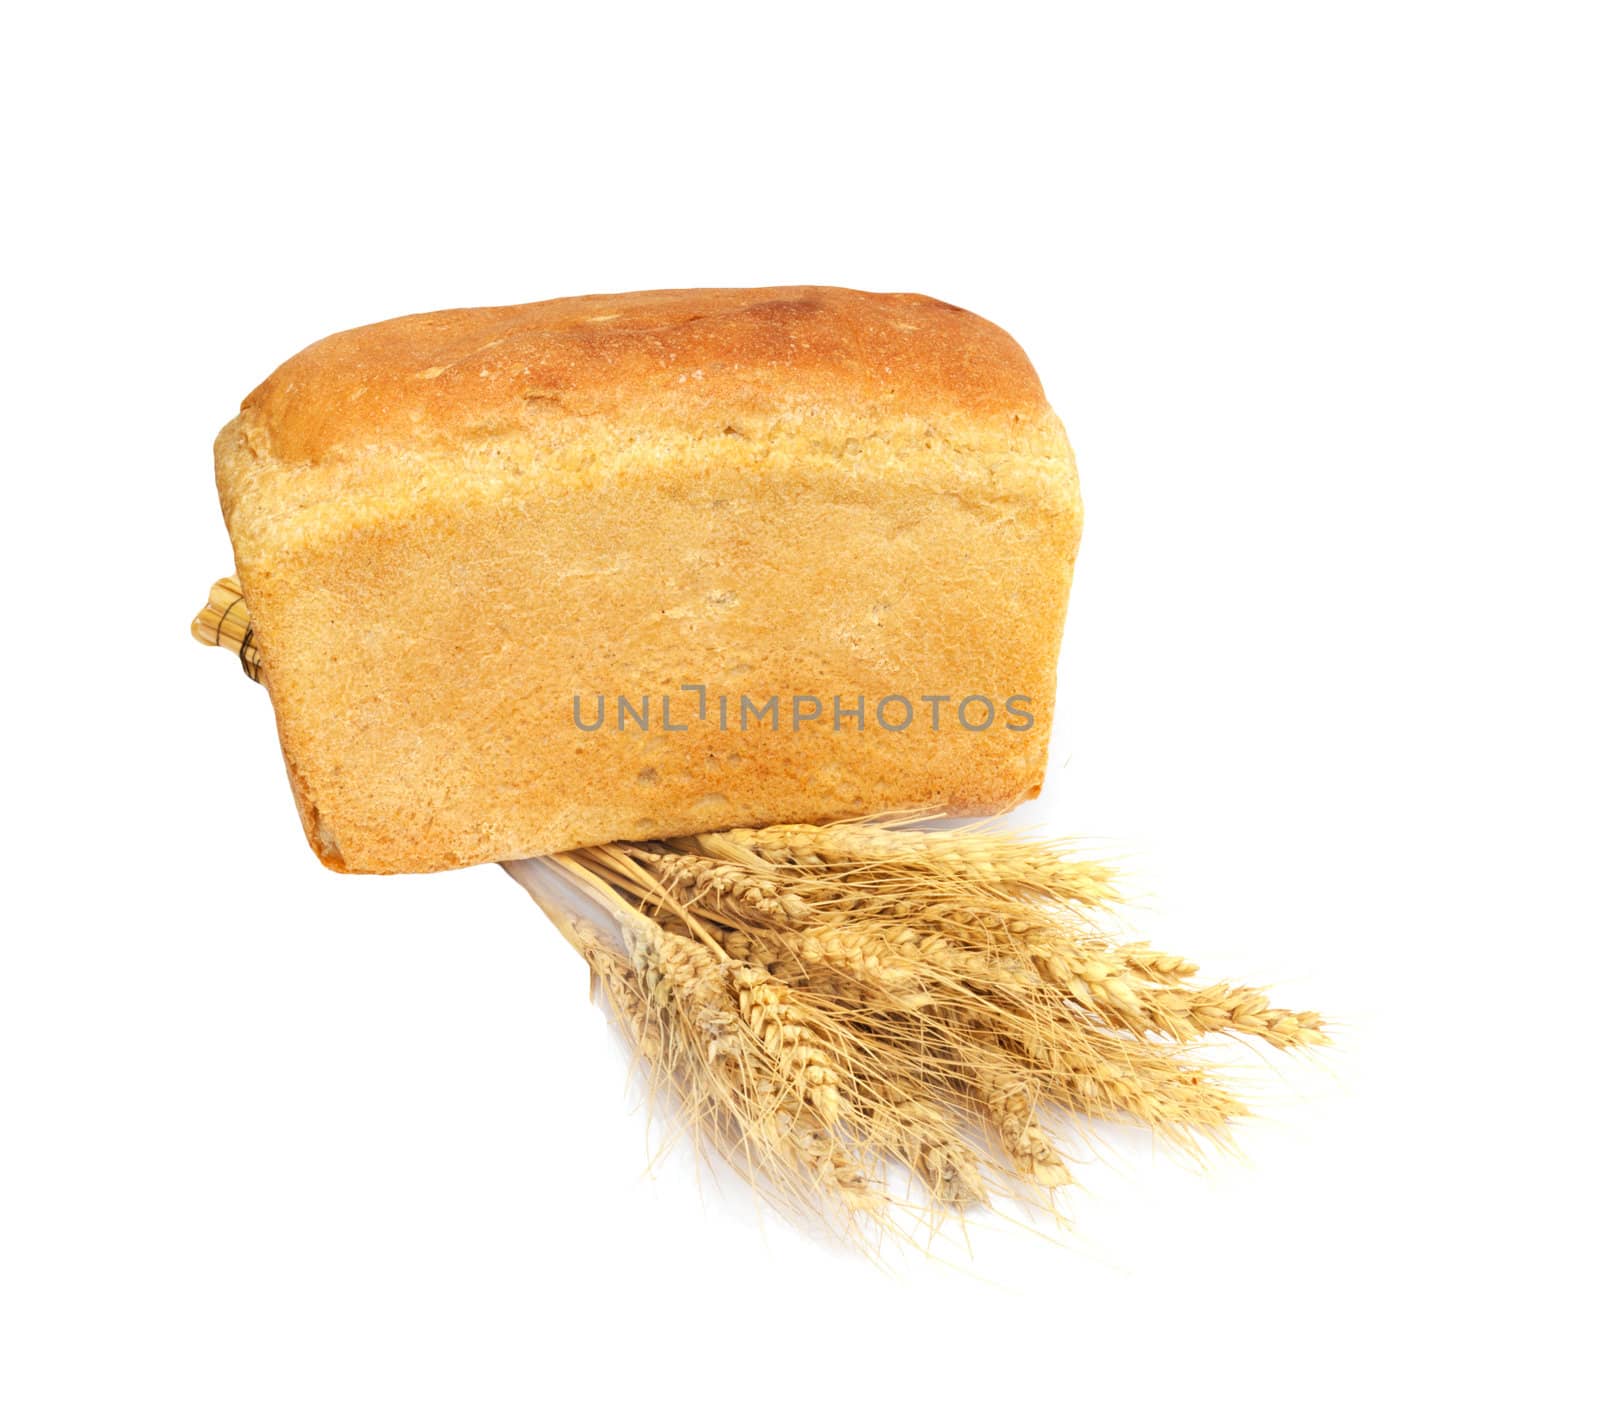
[[451, 592]]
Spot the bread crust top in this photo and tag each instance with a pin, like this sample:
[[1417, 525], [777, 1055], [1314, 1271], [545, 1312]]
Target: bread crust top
[[674, 356]]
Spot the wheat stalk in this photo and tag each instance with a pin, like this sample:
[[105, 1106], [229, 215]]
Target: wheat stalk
[[1008, 1099], [224, 621]]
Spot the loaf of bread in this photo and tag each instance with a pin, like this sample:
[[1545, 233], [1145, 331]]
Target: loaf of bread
[[636, 566]]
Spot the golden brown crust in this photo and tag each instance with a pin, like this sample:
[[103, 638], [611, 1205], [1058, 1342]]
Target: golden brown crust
[[477, 374], [448, 526]]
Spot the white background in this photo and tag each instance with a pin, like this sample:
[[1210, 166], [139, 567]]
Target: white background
[[1314, 290]]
